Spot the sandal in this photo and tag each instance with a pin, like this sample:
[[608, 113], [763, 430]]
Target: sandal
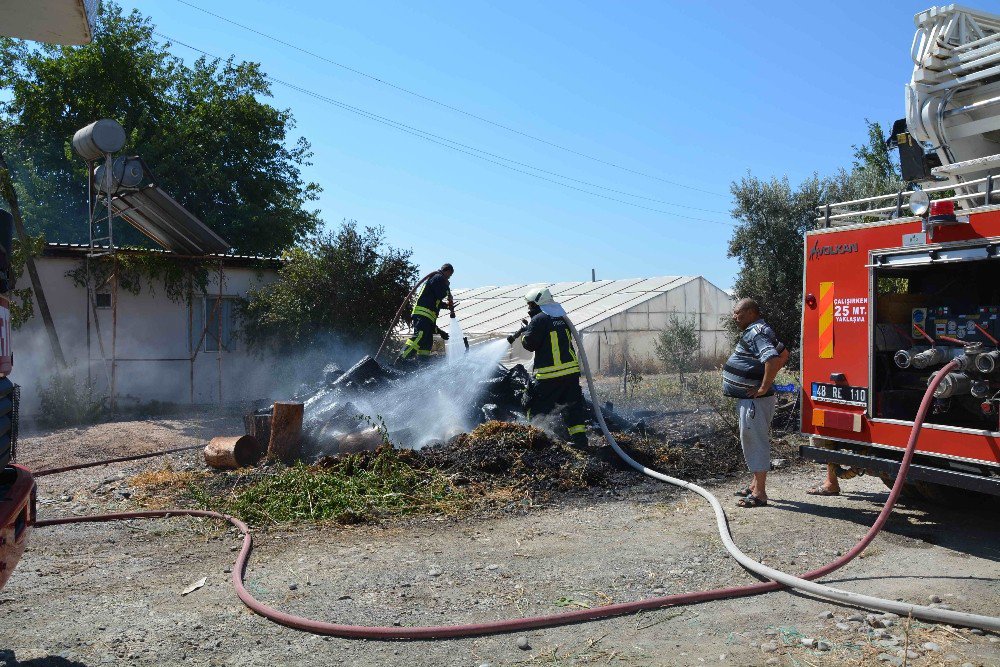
[[822, 491], [743, 493], [751, 501]]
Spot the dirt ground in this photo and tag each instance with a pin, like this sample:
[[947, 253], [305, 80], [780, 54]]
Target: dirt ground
[[112, 593]]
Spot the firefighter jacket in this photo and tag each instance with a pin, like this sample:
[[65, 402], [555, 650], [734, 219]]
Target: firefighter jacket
[[430, 297], [551, 341]]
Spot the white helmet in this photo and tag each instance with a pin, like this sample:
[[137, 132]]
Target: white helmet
[[539, 295]]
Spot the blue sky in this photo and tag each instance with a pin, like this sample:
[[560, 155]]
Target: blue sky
[[694, 93]]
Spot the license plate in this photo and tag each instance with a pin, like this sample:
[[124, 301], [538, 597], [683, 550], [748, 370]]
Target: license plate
[[838, 393]]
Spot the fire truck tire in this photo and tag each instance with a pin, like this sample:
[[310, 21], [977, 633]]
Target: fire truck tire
[[908, 492], [949, 496]]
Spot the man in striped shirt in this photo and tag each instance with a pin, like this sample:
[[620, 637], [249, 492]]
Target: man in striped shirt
[[748, 375]]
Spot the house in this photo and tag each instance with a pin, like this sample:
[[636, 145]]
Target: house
[[152, 345]]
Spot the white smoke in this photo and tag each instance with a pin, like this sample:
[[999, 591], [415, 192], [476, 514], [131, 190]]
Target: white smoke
[[435, 402]]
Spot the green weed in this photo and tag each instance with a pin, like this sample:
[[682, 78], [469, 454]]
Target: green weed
[[359, 488]]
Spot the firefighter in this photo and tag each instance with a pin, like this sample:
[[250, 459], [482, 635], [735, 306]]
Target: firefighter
[[555, 385], [434, 295]]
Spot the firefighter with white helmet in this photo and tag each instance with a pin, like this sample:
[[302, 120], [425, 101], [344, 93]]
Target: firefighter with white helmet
[[555, 385]]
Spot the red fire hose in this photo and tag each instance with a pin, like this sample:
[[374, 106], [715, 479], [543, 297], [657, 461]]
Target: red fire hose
[[519, 624]]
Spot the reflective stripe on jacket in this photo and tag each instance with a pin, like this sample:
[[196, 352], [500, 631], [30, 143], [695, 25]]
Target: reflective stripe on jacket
[[432, 293], [551, 341]]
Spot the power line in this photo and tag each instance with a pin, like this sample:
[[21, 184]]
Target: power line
[[454, 145], [444, 104]]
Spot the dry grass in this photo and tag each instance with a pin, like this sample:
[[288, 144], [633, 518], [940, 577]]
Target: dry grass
[[163, 488]]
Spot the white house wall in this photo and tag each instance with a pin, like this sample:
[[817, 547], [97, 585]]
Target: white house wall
[[150, 326]]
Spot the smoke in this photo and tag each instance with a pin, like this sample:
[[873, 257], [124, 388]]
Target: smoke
[[247, 376], [435, 402]]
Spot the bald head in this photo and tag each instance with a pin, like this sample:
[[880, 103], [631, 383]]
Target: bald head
[[745, 312], [747, 304]]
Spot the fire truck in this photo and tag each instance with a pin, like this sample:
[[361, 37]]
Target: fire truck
[[17, 487], [897, 285], [55, 22]]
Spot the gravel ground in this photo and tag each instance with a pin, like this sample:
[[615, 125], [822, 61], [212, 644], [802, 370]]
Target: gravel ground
[[112, 593]]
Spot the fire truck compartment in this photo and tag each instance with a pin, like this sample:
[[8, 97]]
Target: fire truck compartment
[[932, 305]]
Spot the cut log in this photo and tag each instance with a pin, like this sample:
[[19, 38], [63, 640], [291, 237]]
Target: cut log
[[286, 432], [362, 441], [228, 452], [259, 426]]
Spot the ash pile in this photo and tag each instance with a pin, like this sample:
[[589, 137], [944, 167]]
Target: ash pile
[[370, 404]]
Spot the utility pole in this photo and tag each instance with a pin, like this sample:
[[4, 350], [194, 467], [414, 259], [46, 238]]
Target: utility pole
[[7, 186]]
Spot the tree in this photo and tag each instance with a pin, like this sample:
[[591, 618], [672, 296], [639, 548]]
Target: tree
[[211, 141], [341, 287], [768, 245], [678, 347], [773, 219]]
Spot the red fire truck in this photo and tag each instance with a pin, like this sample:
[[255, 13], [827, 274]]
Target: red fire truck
[[898, 285], [17, 487], [63, 22]]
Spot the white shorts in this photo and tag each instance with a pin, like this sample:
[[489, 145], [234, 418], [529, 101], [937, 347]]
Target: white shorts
[[755, 431]]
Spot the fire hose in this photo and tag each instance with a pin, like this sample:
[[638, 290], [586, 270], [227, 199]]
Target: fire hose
[[779, 579]]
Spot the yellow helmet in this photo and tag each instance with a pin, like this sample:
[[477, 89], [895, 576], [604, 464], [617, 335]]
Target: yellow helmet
[[539, 295]]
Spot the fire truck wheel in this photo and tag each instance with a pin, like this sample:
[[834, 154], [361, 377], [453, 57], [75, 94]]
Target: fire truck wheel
[[908, 492], [949, 496]]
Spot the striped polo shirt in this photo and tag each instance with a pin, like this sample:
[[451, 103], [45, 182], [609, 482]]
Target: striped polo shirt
[[744, 370]]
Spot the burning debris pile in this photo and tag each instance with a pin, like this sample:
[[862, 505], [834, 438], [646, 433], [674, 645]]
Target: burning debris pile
[[522, 456], [359, 409]]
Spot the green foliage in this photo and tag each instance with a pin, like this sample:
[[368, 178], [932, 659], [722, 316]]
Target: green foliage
[[212, 142], [774, 217], [875, 171], [22, 302], [178, 276], [65, 401], [351, 489], [768, 245], [344, 286], [678, 347]]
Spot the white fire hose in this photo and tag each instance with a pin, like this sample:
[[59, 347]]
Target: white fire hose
[[936, 614]]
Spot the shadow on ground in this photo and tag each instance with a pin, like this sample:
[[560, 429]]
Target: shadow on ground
[[8, 659], [970, 530]]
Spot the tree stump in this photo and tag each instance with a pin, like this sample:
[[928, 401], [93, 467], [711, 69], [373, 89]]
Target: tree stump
[[259, 426], [239, 451], [363, 441], [286, 432]]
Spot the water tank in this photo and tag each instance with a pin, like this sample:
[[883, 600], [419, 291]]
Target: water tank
[[127, 173], [100, 137]]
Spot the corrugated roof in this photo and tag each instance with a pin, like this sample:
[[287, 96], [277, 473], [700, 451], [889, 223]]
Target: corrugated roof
[[81, 250], [489, 310]]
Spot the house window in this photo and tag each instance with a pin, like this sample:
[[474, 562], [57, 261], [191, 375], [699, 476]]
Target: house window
[[207, 315], [103, 299]]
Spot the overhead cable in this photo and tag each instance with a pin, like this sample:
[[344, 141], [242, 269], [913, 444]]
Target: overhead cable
[[480, 154], [444, 104]]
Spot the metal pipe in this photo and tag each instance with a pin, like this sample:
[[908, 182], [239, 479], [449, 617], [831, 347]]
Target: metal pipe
[[975, 106]]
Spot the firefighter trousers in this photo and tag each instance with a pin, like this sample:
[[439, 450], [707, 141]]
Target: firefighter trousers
[[563, 396], [418, 346]]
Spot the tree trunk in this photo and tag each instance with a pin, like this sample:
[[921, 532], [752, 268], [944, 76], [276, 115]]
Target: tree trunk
[[286, 432], [233, 452], [7, 186]]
